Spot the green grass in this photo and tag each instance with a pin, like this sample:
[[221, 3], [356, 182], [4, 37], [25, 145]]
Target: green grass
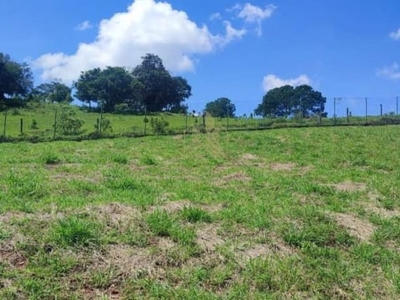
[[36, 123], [301, 213]]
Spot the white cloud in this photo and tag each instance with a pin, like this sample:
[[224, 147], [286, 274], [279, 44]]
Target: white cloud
[[251, 13], [232, 33], [84, 26], [272, 81], [216, 16], [254, 14], [146, 27], [395, 35], [390, 72]]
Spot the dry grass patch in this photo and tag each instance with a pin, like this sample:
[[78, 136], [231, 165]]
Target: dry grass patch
[[349, 186], [172, 206], [208, 238], [358, 228], [282, 166], [234, 177], [11, 256], [115, 213]]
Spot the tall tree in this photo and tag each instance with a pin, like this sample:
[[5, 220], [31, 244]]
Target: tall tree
[[108, 87], [86, 86], [114, 87], [161, 91], [221, 108], [55, 91], [15, 78], [287, 101]]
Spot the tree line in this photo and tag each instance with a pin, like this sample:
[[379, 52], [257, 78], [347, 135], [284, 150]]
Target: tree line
[[148, 87]]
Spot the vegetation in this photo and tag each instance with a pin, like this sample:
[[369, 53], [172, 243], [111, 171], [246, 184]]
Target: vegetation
[[221, 108], [290, 214], [288, 101], [149, 87], [15, 78]]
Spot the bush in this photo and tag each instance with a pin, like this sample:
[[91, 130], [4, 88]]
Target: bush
[[68, 123], [159, 126]]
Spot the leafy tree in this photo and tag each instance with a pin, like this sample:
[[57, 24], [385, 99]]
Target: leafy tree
[[161, 91], [287, 101], [52, 92], [114, 86], [221, 108], [15, 78], [109, 87], [86, 86]]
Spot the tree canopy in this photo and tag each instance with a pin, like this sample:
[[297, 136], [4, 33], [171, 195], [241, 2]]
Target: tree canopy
[[161, 90], [288, 101], [221, 108], [52, 92], [15, 78], [149, 86]]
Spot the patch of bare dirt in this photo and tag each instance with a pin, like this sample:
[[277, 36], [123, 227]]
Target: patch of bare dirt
[[172, 206], [115, 213], [282, 166], [361, 229], [9, 255], [208, 238], [349, 186], [386, 213], [238, 176], [132, 261], [212, 208], [275, 246]]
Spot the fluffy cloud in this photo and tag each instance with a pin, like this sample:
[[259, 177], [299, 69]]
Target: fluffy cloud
[[390, 72], [271, 81], [84, 26], [254, 14], [395, 35], [146, 27]]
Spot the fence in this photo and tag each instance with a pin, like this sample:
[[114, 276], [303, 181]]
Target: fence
[[53, 122]]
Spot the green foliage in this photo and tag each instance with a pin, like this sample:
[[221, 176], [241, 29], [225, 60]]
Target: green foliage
[[160, 90], [158, 126], [287, 101], [160, 223], [68, 123], [15, 78], [34, 124], [52, 92], [221, 108], [194, 215], [103, 125], [75, 231], [51, 158]]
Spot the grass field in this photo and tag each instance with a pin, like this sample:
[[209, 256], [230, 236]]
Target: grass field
[[36, 123], [283, 214]]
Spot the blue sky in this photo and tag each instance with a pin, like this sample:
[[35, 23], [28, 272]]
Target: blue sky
[[239, 50]]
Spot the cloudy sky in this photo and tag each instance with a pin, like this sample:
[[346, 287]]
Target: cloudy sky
[[239, 50]]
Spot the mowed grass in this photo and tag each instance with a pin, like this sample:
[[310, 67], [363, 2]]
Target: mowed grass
[[280, 214]]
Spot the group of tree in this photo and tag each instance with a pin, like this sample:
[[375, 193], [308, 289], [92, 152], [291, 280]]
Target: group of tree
[[149, 87], [289, 101], [221, 108], [286, 101], [16, 79]]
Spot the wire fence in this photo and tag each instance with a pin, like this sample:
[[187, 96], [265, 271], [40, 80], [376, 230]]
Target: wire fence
[[62, 122]]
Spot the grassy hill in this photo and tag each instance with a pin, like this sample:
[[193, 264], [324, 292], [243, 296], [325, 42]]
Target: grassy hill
[[38, 120], [284, 214]]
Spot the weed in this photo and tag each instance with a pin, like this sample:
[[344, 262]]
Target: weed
[[75, 231], [194, 215]]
